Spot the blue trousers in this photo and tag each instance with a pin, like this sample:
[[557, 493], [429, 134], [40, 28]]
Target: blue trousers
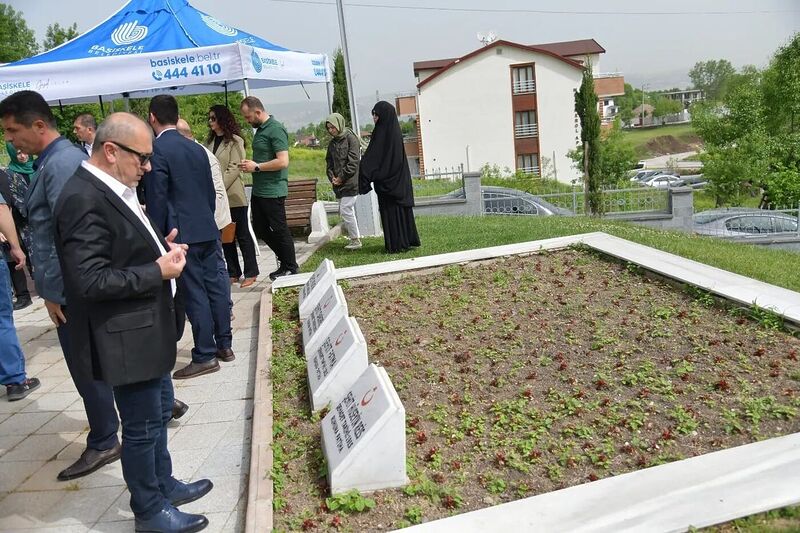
[[98, 400], [206, 294], [12, 360], [145, 408]]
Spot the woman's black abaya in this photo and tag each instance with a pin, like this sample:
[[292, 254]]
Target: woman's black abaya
[[384, 164]]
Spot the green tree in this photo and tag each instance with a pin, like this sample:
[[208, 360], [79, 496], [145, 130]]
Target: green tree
[[663, 106], [57, 35], [617, 156], [712, 77], [17, 41], [586, 109], [341, 101]]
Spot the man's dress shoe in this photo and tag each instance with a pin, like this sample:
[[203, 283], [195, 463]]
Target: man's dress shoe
[[171, 520], [226, 355], [89, 461], [196, 369], [178, 409], [184, 493]]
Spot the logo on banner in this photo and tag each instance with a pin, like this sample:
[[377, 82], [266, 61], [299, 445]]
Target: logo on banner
[[256, 61], [319, 68], [128, 33], [219, 27]]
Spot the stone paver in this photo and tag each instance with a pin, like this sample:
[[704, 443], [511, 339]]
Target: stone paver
[[44, 433]]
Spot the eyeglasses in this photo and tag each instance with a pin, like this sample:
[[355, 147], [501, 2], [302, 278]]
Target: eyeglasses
[[212, 118], [143, 158]]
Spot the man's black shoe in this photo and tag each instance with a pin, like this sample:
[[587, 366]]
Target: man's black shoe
[[17, 391], [22, 303], [282, 271], [178, 409], [196, 369], [89, 461], [184, 493], [171, 520]]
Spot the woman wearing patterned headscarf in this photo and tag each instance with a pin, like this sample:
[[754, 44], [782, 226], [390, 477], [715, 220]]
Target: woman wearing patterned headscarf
[[344, 153]]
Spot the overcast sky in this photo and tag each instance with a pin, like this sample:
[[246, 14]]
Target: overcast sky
[[657, 48]]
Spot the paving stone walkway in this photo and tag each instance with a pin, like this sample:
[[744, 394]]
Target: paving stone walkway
[[45, 432]]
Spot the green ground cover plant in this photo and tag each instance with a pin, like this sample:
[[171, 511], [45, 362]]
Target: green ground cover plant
[[524, 375], [442, 234]]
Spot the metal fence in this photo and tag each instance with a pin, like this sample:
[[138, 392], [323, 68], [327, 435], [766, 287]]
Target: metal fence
[[739, 223]]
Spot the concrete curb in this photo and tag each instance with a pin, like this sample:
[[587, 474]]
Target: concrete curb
[[260, 491]]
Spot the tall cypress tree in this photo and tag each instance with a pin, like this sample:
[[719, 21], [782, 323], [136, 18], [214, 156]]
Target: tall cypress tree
[[341, 101], [586, 109]]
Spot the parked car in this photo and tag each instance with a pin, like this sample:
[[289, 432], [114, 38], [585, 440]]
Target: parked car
[[662, 181], [644, 175], [502, 200], [740, 221]]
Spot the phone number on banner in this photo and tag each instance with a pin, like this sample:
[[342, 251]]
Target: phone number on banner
[[196, 71]]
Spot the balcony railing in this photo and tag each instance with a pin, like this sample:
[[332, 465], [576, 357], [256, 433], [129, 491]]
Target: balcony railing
[[533, 171], [526, 130], [524, 87]]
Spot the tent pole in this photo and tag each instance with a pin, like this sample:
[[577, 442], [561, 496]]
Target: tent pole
[[246, 87], [126, 103], [328, 91], [102, 107], [60, 108], [226, 93]]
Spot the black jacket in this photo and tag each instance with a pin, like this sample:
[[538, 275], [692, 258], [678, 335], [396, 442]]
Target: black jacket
[[122, 326]]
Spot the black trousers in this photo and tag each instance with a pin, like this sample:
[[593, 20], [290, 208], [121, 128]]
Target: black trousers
[[19, 282], [269, 223], [246, 244]]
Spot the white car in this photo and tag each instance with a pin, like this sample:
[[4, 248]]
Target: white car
[[663, 181]]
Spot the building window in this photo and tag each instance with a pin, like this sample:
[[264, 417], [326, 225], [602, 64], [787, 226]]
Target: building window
[[523, 80], [528, 164], [525, 124]]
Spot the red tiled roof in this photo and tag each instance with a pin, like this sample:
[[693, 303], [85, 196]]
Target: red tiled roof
[[564, 48], [493, 45]]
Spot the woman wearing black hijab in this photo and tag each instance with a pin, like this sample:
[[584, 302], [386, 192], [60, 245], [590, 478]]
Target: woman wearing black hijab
[[384, 165]]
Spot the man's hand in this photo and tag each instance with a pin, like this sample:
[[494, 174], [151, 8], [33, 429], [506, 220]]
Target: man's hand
[[336, 181], [19, 257], [171, 241], [247, 165], [172, 263], [55, 313]]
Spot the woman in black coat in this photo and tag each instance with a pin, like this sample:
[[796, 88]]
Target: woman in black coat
[[385, 166]]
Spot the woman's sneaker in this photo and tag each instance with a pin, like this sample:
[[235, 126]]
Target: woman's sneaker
[[354, 244], [17, 391]]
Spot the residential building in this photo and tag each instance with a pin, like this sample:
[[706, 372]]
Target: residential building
[[687, 97], [505, 104]]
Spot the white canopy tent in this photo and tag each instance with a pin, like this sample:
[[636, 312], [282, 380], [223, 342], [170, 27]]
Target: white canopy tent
[[156, 46]]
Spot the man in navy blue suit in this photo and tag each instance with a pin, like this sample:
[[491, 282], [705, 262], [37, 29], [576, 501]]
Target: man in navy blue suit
[[179, 193]]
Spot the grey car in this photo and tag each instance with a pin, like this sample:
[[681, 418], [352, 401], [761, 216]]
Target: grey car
[[737, 222]]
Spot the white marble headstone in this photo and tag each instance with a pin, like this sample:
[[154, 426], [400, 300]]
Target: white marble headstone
[[331, 307], [364, 438], [310, 293], [337, 363]]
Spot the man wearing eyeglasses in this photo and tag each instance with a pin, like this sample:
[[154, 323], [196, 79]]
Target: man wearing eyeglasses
[[30, 126], [119, 279]]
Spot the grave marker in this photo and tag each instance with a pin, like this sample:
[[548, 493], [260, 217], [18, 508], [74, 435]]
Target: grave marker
[[364, 438], [322, 278], [330, 308], [338, 362]]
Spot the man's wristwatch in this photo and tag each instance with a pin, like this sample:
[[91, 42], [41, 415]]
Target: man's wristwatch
[[257, 168]]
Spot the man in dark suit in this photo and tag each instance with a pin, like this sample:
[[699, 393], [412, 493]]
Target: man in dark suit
[[119, 276], [179, 193]]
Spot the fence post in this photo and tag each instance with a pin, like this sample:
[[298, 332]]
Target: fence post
[[574, 201], [798, 219]]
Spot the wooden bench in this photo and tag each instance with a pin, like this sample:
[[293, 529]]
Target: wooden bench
[[302, 195]]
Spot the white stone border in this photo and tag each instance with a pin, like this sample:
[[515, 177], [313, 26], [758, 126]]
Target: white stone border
[[701, 491], [726, 284]]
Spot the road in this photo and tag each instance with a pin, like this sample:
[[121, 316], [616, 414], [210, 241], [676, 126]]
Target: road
[[664, 161]]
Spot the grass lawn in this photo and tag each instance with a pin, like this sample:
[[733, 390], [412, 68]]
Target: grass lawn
[[442, 234]]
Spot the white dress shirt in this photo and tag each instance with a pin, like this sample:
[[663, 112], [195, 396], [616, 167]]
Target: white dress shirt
[[129, 198]]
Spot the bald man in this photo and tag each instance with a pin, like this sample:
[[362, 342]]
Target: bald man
[[119, 279]]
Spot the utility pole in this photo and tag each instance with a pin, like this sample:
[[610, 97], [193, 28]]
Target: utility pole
[[367, 216], [641, 123]]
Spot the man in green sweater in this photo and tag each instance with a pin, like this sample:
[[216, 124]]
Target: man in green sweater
[[270, 184]]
